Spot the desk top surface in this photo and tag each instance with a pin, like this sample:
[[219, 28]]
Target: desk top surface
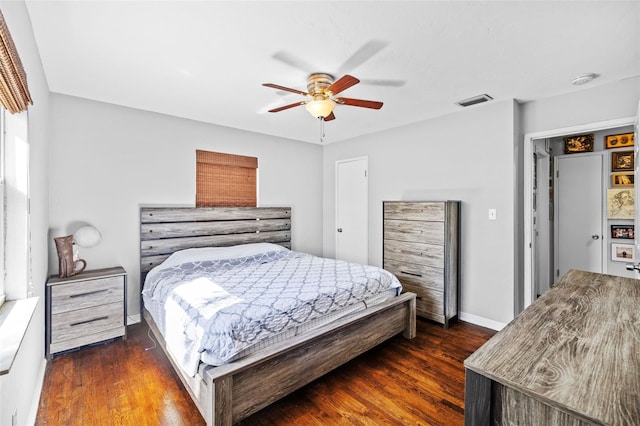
[[576, 348]]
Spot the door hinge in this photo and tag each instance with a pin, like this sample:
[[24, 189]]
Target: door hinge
[[365, 173], [558, 173]]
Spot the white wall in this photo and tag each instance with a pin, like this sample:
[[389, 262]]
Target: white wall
[[582, 106], [467, 156], [20, 389], [107, 160]]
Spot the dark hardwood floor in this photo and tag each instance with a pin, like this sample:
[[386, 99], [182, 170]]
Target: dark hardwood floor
[[403, 382]]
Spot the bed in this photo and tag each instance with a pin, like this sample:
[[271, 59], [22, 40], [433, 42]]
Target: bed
[[237, 387]]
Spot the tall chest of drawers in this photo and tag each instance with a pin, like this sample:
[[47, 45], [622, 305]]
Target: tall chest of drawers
[[421, 242], [86, 308]]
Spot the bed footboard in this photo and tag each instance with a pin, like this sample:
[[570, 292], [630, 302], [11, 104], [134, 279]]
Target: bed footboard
[[234, 391]]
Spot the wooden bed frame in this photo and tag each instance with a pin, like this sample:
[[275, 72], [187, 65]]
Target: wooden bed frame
[[229, 393]]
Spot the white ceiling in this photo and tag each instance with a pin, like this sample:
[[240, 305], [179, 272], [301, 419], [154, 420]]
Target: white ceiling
[[206, 60]]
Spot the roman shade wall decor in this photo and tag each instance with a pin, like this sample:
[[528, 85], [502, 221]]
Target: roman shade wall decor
[[225, 180], [14, 93]]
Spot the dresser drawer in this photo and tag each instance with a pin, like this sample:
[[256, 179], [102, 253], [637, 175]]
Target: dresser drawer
[[72, 324], [415, 211], [413, 230], [86, 294], [418, 275], [412, 252], [427, 300]]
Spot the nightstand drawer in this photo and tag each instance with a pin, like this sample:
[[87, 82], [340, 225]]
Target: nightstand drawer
[[72, 324], [86, 294]]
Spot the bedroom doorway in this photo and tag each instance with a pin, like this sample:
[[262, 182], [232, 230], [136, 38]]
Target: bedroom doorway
[[579, 233], [352, 211], [529, 290]]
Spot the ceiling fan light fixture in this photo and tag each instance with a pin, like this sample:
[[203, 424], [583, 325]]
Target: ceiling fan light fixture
[[320, 107]]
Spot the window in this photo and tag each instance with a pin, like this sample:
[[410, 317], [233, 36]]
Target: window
[[225, 180], [3, 222], [15, 263], [15, 206]]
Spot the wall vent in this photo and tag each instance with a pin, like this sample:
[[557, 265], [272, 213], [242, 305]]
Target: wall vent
[[475, 100]]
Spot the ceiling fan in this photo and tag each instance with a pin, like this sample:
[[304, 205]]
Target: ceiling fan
[[322, 89]]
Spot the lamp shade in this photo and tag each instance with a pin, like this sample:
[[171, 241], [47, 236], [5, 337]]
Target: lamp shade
[[320, 107], [87, 236]]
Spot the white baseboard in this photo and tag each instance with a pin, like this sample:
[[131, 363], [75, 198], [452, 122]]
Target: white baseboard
[[35, 403], [133, 319], [482, 322]]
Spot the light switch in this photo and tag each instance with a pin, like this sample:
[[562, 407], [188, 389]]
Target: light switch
[[492, 214]]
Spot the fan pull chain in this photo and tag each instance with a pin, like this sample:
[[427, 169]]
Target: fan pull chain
[[322, 135]]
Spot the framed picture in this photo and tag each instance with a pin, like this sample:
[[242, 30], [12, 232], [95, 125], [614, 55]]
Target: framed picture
[[621, 161], [579, 143], [623, 232], [622, 252], [622, 179], [621, 203], [622, 140]]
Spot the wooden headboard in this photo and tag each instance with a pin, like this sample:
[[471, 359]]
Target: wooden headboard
[[165, 230]]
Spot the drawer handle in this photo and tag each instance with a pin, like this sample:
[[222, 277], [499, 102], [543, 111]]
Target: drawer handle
[[411, 273], [88, 321], [87, 293]]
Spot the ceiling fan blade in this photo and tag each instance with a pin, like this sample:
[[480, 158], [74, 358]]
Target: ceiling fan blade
[[359, 103], [343, 83], [288, 89], [282, 108], [362, 55], [382, 82], [293, 61], [330, 117]]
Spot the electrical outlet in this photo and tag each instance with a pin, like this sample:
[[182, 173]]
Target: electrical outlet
[[492, 214]]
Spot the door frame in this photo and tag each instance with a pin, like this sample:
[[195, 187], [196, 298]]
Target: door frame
[[336, 189], [529, 241]]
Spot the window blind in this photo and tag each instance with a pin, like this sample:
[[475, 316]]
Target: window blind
[[225, 180], [14, 93]]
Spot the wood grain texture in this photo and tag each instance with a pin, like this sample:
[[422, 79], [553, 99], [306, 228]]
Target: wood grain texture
[[207, 214], [477, 399], [415, 210], [165, 230], [415, 253], [231, 392], [86, 294], [87, 308], [399, 382], [421, 247], [414, 230], [576, 350], [272, 373]]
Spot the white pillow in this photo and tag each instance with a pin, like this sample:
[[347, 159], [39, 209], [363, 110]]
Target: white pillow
[[217, 253]]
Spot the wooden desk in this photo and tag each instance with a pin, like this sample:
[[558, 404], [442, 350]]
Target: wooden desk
[[571, 358]]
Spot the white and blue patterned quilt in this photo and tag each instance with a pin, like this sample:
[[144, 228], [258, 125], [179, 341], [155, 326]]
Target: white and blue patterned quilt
[[224, 306]]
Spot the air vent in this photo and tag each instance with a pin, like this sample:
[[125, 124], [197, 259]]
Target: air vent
[[475, 100]]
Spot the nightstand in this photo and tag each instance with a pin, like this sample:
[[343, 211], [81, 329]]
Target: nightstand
[[86, 308]]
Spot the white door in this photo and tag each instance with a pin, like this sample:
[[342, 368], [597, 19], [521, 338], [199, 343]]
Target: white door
[[578, 200], [352, 196]]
